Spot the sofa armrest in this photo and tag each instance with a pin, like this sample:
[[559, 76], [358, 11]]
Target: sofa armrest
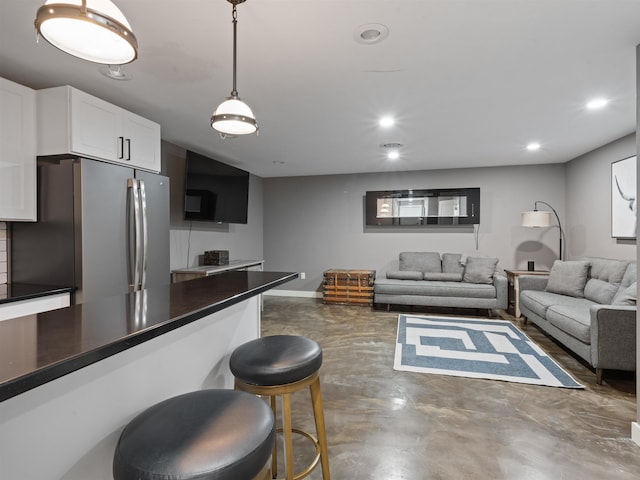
[[613, 337], [532, 282], [500, 282]]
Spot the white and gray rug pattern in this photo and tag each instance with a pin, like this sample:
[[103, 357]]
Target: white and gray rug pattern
[[475, 348]]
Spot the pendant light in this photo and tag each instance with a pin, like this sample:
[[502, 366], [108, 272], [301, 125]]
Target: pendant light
[[94, 30], [233, 116]]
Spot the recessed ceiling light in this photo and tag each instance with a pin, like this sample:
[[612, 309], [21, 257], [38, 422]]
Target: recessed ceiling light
[[393, 150], [597, 103], [533, 146], [386, 121], [370, 33]]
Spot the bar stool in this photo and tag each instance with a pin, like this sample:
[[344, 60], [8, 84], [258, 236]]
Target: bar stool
[[204, 435], [280, 365]]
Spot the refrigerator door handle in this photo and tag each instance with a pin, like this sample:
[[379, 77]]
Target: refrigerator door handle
[[145, 239], [132, 183]]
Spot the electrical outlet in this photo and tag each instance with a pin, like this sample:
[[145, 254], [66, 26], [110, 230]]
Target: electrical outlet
[[303, 275]]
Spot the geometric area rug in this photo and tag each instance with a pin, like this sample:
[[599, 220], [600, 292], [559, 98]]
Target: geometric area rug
[[475, 348]]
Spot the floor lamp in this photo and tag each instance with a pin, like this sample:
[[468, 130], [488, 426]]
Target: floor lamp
[[541, 218]]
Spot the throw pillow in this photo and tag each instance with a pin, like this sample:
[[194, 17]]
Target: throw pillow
[[568, 278], [443, 277], [627, 296], [404, 275], [479, 269]]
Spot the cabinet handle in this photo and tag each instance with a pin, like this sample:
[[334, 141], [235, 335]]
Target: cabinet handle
[[128, 149], [120, 147]]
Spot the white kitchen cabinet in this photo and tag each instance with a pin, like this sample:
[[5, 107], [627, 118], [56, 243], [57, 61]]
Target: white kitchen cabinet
[[17, 152], [32, 306], [73, 122]]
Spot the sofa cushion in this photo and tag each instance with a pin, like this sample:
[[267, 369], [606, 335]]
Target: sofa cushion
[[404, 275], [420, 261], [630, 275], [626, 296], [445, 277], [568, 277], [434, 288], [574, 320], [539, 302], [451, 263], [604, 278], [479, 270]]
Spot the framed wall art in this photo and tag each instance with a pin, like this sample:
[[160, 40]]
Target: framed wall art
[[623, 198]]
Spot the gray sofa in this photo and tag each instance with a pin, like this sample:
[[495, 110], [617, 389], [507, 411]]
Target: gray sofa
[[590, 307], [428, 279]]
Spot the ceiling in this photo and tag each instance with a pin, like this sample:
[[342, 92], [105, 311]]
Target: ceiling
[[469, 82]]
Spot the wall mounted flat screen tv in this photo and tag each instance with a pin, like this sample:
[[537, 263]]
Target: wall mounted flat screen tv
[[215, 191]]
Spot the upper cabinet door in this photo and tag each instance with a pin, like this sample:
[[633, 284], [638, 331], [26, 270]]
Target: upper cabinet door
[[17, 152], [73, 122], [95, 127], [142, 142]]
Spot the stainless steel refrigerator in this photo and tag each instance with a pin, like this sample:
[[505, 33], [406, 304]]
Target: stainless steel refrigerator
[[102, 228]]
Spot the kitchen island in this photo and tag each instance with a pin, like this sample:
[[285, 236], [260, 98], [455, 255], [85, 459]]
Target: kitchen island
[[71, 379]]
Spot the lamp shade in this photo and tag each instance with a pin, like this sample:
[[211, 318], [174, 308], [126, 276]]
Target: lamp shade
[[234, 117], [99, 33], [536, 218]]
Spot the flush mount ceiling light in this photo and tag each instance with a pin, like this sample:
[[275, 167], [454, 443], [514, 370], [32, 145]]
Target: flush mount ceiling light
[[533, 146], [93, 30], [233, 116], [370, 33]]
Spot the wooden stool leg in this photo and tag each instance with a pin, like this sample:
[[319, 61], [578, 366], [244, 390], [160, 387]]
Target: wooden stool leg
[[318, 414], [274, 455], [288, 437]]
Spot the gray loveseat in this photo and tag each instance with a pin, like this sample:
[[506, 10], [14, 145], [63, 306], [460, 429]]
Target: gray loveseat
[[428, 279], [590, 307]]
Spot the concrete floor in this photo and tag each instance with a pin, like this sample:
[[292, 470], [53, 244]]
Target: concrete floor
[[390, 425]]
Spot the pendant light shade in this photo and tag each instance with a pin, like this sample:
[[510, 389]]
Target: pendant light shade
[[233, 116], [94, 30]]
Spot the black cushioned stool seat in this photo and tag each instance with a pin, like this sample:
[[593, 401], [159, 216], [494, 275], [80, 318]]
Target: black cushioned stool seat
[[280, 365], [207, 434]]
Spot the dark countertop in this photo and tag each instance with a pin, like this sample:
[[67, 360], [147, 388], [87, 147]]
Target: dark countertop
[[26, 291], [36, 349]]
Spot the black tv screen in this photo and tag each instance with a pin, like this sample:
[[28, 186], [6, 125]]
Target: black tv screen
[[215, 191]]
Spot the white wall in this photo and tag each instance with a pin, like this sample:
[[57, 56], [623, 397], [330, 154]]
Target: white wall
[[588, 224], [312, 224], [188, 240]]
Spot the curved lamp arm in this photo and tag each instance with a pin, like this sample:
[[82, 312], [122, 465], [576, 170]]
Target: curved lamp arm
[[535, 208]]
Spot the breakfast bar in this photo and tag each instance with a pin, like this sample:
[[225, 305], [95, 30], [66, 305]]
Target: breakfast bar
[[70, 379]]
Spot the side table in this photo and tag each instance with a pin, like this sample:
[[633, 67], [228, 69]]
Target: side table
[[513, 276]]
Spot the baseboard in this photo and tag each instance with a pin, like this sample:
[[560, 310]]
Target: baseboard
[[293, 293], [635, 432]]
